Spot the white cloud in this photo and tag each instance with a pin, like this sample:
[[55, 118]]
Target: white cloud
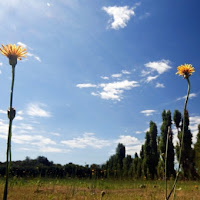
[[37, 140], [52, 150], [48, 4], [148, 112], [159, 66], [132, 144], [192, 95], [94, 94], [28, 53], [45, 149], [86, 85], [146, 130], [22, 44], [3, 111], [151, 78], [20, 112], [125, 72], [127, 140], [1, 64], [19, 118], [3, 129], [55, 134], [116, 75], [87, 140], [144, 73], [160, 85], [34, 56], [35, 110], [194, 122], [105, 77], [119, 16], [138, 132], [113, 91]]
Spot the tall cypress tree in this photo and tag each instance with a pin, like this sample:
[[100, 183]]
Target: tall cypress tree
[[187, 158], [147, 153], [127, 161], [150, 160], [120, 154], [197, 152], [166, 125], [154, 149]]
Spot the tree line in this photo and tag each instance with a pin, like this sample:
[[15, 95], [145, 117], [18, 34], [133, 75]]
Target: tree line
[[149, 164]]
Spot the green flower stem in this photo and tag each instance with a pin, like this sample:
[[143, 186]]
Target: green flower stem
[[168, 132], [181, 144], [8, 155]]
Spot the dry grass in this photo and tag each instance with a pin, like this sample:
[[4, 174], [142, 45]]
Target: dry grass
[[91, 190]]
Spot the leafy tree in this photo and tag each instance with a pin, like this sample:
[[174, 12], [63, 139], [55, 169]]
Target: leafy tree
[[154, 150], [177, 119], [165, 130], [136, 167], [126, 165], [120, 153], [147, 156], [150, 160]]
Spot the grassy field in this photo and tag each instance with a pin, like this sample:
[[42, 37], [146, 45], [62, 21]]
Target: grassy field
[[74, 189]]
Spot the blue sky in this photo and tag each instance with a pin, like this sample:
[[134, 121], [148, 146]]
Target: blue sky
[[96, 73]]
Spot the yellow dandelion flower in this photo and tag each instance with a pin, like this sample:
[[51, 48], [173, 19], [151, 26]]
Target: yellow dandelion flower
[[185, 70], [13, 52]]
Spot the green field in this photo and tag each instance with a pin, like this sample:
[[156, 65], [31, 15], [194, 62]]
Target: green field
[[57, 189]]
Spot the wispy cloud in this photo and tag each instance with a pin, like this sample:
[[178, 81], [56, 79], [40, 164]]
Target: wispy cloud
[[34, 56], [159, 66], [119, 16], [138, 132], [151, 78], [116, 75], [55, 134], [148, 112], [145, 72], [22, 44], [37, 140], [160, 85], [86, 85], [125, 72], [1, 64], [145, 15], [19, 118], [105, 77], [28, 53], [86, 140], [3, 111], [192, 95], [37, 110]]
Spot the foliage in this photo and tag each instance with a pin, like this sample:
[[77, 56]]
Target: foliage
[[165, 127]]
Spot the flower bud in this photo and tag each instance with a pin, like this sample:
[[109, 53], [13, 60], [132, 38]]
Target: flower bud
[[11, 113]]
